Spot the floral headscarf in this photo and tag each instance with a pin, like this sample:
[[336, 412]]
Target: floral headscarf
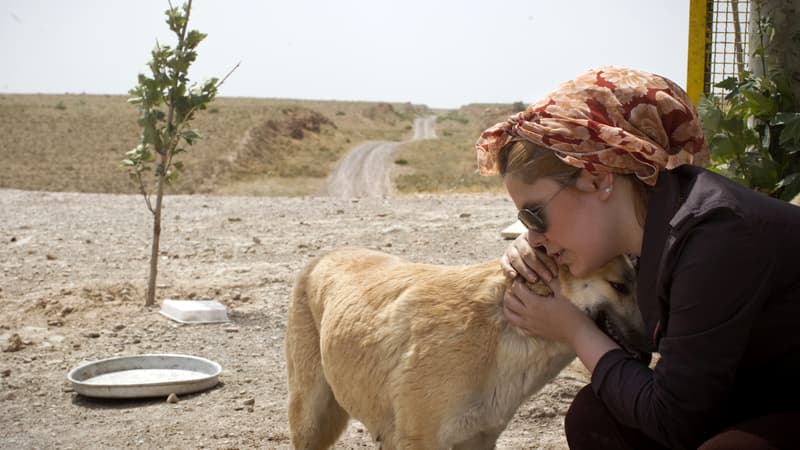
[[620, 119]]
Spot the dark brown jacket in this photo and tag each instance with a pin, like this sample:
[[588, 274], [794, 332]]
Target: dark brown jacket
[[719, 289]]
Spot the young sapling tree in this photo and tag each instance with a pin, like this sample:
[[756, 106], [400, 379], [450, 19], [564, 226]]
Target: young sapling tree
[[167, 103]]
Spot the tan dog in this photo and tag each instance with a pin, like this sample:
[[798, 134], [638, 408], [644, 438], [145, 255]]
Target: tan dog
[[421, 354]]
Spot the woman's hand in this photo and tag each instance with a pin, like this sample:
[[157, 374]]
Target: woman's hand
[[523, 260], [553, 318], [557, 319]]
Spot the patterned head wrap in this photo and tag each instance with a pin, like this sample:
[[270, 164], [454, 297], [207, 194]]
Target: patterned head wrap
[[620, 119]]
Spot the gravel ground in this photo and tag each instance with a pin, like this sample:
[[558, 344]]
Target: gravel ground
[[74, 270]]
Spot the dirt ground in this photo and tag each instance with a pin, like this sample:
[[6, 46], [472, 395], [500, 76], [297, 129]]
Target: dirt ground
[[74, 270]]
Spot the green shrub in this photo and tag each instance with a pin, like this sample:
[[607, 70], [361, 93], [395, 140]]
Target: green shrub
[[753, 130]]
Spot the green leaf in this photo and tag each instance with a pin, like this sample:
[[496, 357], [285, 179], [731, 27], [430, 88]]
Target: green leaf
[[763, 171], [791, 187], [791, 178], [177, 19], [729, 84], [782, 117], [766, 138], [167, 88], [710, 115], [194, 37], [722, 146], [171, 176], [190, 136], [791, 149], [790, 133], [148, 156], [180, 64], [758, 104], [131, 153]]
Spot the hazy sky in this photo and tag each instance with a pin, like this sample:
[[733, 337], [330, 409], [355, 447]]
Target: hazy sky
[[443, 53]]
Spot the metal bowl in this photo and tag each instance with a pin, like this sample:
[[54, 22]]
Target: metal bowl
[[154, 375]]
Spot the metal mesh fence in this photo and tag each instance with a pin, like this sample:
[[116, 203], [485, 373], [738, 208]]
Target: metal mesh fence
[[727, 23]]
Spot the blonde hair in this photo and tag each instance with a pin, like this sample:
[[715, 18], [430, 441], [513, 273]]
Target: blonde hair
[[530, 162]]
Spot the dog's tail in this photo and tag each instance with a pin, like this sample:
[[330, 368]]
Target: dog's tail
[[315, 418]]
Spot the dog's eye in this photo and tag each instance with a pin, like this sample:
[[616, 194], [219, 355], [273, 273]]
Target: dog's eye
[[622, 288]]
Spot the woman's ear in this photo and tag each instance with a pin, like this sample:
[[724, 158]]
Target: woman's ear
[[601, 180], [605, 185]]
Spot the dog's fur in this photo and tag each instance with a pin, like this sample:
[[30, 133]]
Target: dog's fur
[[421, 354]]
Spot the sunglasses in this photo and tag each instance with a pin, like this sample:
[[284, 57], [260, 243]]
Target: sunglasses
[[534, 218]]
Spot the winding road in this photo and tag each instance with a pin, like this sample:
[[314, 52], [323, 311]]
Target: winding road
[[366, 170]]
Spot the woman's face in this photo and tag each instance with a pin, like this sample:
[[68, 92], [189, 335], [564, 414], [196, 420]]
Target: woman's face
[[578, 221]]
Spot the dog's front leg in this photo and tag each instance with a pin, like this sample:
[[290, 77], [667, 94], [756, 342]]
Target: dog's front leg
[[419, 439], [481, 441]]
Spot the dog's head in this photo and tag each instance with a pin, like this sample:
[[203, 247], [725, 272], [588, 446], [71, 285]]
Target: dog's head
[[608, 296]]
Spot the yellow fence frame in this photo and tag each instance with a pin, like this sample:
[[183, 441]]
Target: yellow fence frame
[[698, 54], [718, 41]]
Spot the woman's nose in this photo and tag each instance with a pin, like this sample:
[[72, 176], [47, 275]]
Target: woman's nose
[[535, 238]]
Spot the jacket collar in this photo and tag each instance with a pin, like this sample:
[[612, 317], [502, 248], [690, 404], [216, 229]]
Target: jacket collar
[[665, 199]]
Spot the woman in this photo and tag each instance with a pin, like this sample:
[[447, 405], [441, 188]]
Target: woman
[[606, 165]]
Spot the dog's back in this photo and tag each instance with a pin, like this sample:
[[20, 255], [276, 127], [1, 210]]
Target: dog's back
[[420, 354]]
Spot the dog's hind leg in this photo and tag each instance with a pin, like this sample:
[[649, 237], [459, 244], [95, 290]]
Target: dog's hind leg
[[315, 418]]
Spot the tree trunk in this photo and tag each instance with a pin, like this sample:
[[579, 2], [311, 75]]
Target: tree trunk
[[784, 51], [151, 281]]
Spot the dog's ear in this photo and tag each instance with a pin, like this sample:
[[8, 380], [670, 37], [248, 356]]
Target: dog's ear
[[540, 288]]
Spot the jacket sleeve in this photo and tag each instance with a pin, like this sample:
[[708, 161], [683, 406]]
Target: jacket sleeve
[[718, 283]]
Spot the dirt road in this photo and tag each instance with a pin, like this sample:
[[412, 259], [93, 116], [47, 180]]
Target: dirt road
[[366, 170]]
